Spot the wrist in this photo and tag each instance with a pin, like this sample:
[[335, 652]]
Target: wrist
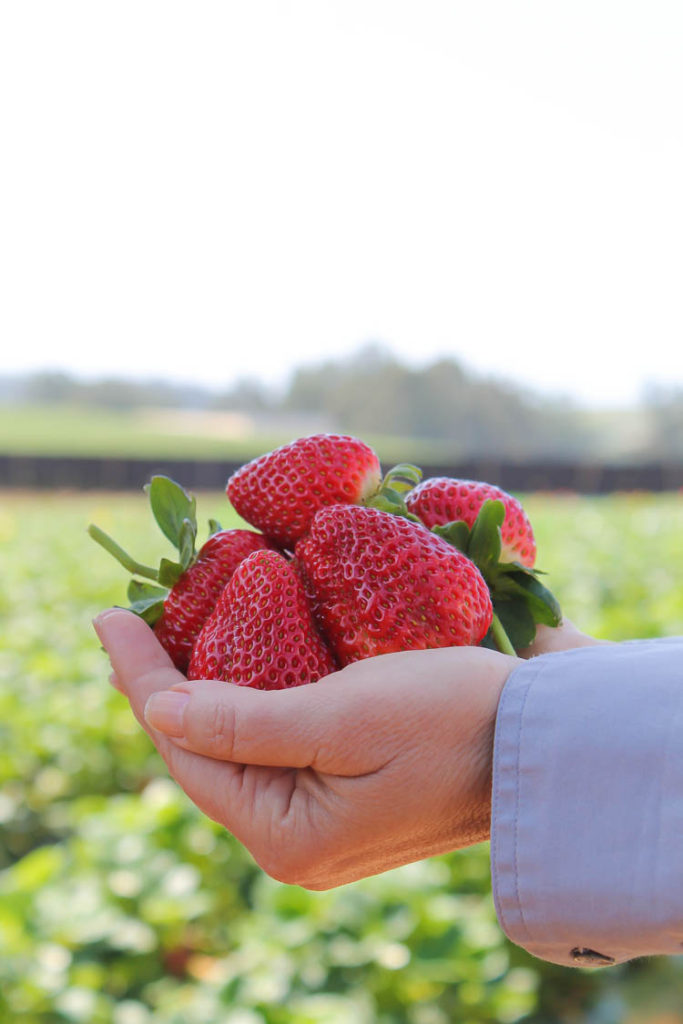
[[475, 826]]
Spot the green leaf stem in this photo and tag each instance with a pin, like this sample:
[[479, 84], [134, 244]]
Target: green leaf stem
[[121, 556]]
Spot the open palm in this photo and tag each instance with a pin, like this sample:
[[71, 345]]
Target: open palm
[[382, 763]]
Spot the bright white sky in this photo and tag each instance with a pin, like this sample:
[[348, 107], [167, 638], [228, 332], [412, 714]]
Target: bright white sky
[[205, 190]]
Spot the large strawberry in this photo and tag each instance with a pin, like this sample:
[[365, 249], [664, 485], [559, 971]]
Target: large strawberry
[[386, 584], [442, 500], [261, 632], [183, 593], [279, 493], [491, 527]]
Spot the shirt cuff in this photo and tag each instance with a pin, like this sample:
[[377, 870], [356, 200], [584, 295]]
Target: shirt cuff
[[587, 803]]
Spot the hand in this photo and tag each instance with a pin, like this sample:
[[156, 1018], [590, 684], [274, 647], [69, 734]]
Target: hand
[[564, 637], [385, 762]]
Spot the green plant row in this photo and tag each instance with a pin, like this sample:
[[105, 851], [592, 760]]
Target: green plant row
[[120, 903]]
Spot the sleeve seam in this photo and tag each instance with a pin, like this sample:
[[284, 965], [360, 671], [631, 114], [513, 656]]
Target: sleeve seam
[[517, 788], [505, 700]]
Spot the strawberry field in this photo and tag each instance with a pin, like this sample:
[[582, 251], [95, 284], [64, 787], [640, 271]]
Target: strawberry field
[[120, 903]]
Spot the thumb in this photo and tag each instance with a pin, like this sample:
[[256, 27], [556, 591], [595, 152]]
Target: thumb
[[312, 726]]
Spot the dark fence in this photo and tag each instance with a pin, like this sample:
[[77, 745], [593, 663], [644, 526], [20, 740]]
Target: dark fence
[[52, 472]]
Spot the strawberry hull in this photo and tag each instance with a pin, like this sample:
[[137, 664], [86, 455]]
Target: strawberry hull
[[183, 591], [442, 500], [384, 584]]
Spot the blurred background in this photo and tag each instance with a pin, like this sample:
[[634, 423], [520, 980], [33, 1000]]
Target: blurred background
[[452, 229]]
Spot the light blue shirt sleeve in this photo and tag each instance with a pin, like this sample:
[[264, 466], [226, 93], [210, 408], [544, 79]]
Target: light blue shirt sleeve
[[587, 804]]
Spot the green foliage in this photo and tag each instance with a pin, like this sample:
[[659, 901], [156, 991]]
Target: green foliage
[[175, 512], [173, 509], [121, 904]]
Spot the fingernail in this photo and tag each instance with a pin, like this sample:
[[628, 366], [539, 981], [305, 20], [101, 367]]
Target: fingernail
[[164, 711], [100, 619]]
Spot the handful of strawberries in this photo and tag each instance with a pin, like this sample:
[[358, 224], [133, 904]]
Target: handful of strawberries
[[345, 565]]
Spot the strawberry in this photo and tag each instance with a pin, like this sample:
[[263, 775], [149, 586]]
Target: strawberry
[[492, 529], [190, 587], [261, 632], [440, 500], [386, 584], [191, 600], [279, 493]]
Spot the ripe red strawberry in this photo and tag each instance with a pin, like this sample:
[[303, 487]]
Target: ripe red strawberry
[[261, 632], [191, 600], [441, 500], [491, 528], [279, 493], [386, 584], [179, 607]]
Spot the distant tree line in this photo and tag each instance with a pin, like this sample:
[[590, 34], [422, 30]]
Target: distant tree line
[[51, 387], [373, 393]]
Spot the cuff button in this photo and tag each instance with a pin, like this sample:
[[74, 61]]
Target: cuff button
[[589, 957]]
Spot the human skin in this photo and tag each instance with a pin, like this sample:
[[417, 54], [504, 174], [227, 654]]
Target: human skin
[[385, 762], [551, 639]]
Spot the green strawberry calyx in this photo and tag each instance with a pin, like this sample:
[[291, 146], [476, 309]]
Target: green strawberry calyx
[[176, 514], [389, 496], [520, 600]]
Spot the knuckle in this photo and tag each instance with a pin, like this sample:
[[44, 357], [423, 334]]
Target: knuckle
[[220, 735]]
